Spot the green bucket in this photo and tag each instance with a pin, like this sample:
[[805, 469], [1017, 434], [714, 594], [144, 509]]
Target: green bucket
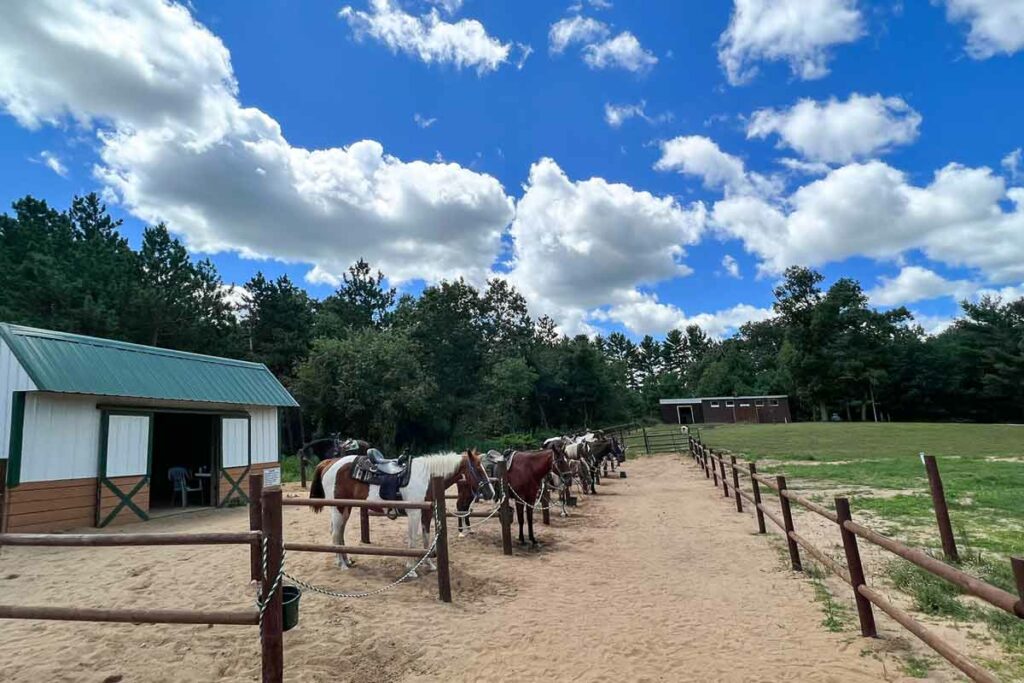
[[290, 606]]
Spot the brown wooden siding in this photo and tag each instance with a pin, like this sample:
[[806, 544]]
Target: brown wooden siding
[[51, 505], [109, 501]]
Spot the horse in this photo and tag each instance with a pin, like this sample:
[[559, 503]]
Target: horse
[[334, 477], [527, 472], [467, 496], [333, 446]]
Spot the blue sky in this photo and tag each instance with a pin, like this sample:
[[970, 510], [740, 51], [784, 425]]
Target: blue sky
[[614, 159]]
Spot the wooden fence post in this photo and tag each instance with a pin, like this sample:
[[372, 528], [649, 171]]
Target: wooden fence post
[[941, 510], [757, 498], [271, 638], [736, 484], [364, 525], [255, 523], [647, 445], [1018, 575], [505, 513], [302, 468], [444, 585], [787, 519], [864, 612], [725, 484], [713, 467], [545, 503]]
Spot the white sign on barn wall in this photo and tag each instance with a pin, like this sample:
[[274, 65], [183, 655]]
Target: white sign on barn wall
[[272, 476]]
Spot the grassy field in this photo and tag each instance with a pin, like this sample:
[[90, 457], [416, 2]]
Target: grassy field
[[982, 468]]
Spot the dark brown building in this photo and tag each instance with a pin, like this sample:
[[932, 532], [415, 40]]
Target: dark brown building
[[752, 409]]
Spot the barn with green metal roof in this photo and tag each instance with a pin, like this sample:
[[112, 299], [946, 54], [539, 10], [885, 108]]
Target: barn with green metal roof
[[96, 432]]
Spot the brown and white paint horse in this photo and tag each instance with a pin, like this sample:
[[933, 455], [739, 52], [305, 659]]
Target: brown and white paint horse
[[333, 479]]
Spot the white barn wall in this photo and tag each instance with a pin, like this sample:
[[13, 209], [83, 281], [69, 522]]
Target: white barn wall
[[12, 378], [264, 434], [61, 437]]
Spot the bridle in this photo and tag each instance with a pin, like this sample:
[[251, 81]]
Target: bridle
[[476, 480]]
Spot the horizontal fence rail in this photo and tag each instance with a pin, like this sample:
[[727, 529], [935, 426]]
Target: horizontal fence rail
[[356, 503], [714, 466], [131, 616], [113, 540]]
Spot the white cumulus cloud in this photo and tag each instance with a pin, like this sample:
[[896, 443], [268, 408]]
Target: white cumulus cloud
[[700, 156], [966, 217], [731, 266], [996, 26], [617, 114], [176, 145], [600, 49], [646, 315], [463, 44], [839, 132], [799, 32], [569, 235], [623, 51], [53, 162], [914, 283]]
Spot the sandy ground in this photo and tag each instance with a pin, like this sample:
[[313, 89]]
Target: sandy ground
[[652, 580]]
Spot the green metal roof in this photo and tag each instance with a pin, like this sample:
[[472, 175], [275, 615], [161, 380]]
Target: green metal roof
[[75, 364]]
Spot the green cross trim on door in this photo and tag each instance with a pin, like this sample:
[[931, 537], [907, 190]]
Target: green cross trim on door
[[236, 487], [125, 500]]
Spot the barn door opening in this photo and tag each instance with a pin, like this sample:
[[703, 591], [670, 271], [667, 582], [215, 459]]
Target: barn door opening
[[184, 462], [235, 460], [124, 472]]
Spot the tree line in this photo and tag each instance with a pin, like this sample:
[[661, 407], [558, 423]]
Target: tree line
[[457, 363]]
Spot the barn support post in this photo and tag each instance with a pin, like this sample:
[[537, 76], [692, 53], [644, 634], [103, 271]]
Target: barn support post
[[444, 585], [787, 519], [271, 630], [302, 451], [864, 611], [255, 522], [754, 484], [736, 483], [364, 525], [941, 510], [505, 513]]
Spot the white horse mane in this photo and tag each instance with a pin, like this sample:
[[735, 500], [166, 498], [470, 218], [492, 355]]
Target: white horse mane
[[439, 464]]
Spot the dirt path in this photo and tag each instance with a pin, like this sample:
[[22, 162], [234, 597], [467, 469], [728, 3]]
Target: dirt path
[[650, 581]]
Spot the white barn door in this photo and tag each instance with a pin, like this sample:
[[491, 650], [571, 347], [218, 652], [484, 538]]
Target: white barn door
[[124, 472], [235, 459]]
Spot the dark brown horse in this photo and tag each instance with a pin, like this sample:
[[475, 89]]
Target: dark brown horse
[[527, 471]]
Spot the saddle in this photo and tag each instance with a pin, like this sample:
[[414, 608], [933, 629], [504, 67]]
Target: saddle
[[390, 474]]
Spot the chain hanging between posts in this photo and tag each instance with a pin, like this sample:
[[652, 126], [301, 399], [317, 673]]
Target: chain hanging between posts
[[367, 594]]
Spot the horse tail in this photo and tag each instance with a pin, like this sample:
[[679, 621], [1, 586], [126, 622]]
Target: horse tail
[[316, 487]]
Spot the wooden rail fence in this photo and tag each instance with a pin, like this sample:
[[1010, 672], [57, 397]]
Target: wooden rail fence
[[714, 465], [266, 533]]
